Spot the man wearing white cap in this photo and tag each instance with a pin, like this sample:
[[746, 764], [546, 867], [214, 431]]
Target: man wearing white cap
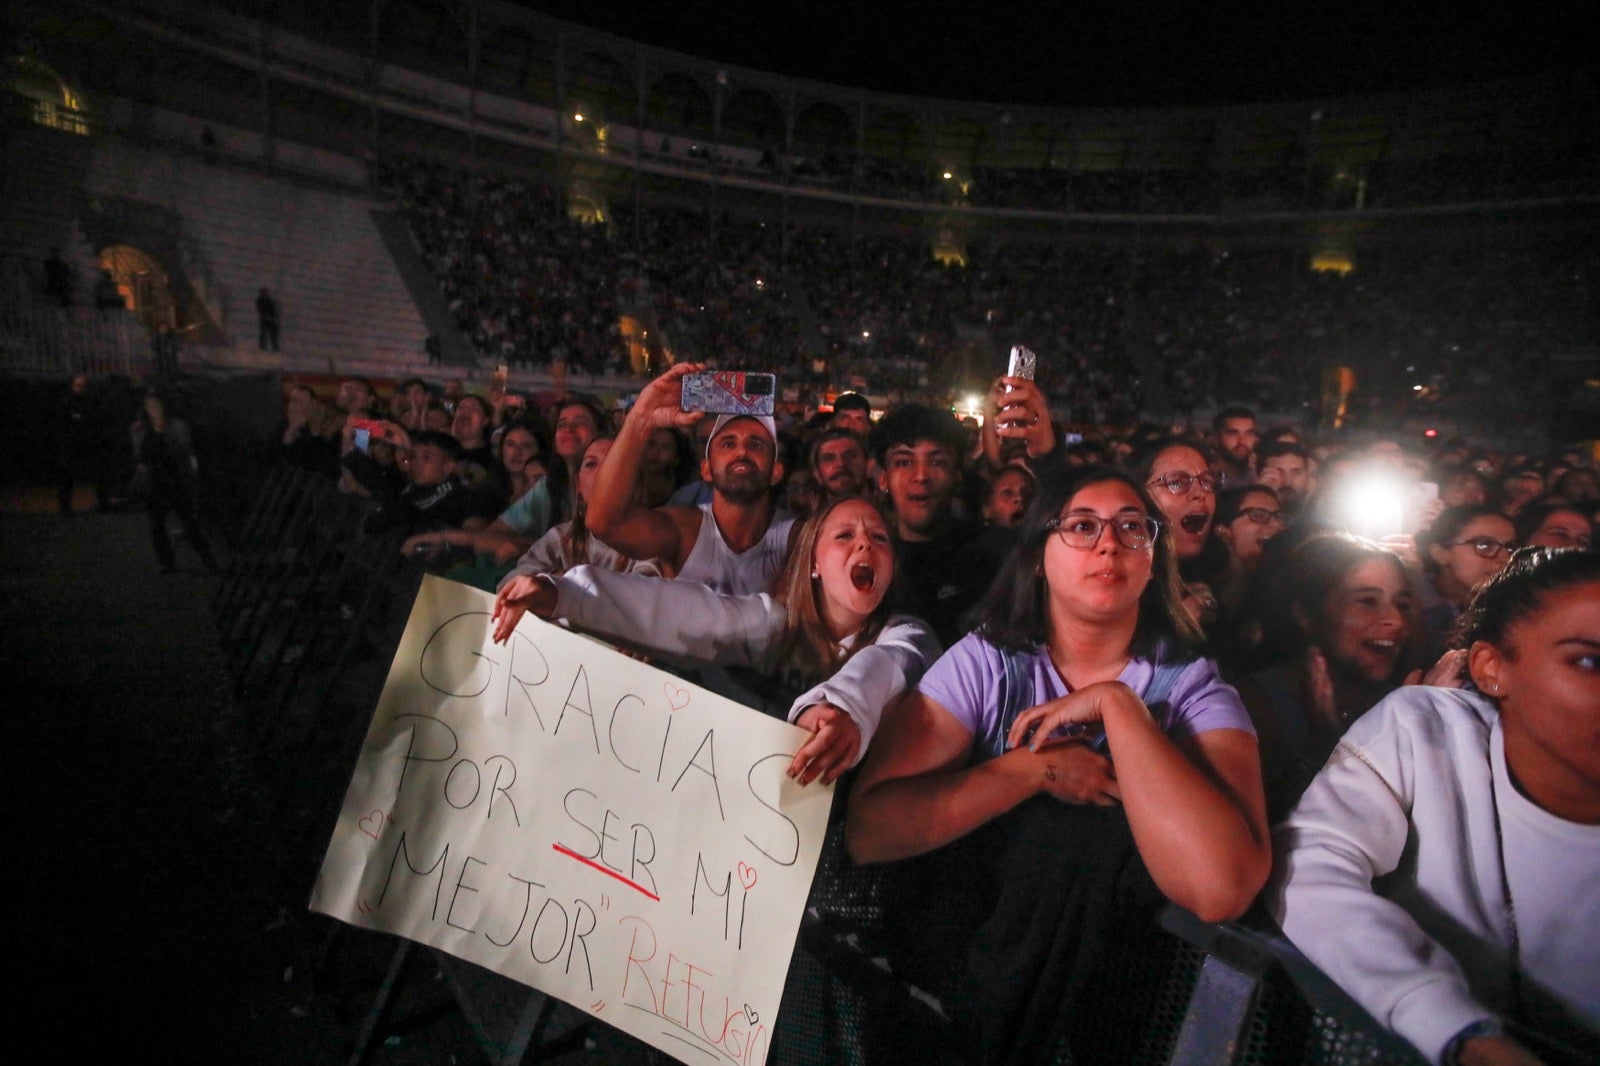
[[734, 544]]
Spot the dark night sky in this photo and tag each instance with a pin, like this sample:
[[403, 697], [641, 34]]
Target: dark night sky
[[1106, 53]]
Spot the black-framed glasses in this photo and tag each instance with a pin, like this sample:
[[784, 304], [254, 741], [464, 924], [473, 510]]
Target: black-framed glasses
[[1485, 547], [1180, 484], [1261, 516], [1082, 529]]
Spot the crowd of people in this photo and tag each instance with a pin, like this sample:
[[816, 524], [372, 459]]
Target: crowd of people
[[1118, 330], [1141, 650]]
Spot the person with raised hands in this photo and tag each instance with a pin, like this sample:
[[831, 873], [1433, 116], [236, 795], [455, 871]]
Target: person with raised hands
[[738, 541], [825, 628]]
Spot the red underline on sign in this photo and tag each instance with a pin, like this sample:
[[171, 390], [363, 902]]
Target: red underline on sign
[[569, 853]]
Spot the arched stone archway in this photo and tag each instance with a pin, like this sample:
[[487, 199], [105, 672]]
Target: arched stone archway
[[50, 100], [751, 117], [680, 104], [823, 128], [143, 283], [894, 136]]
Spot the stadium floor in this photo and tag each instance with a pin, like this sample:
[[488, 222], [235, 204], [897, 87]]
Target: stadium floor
[[153, 913]]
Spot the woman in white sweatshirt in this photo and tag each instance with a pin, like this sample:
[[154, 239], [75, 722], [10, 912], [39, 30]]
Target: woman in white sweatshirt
[[1442, 868], [826, 627]]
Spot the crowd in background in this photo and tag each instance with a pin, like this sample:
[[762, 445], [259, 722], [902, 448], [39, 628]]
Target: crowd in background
[[1118, 331]]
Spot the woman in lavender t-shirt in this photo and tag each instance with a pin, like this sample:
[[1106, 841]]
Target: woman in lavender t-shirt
[[1077, 685]]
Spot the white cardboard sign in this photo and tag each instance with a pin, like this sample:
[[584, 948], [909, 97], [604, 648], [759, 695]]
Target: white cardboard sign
[[583, 823]]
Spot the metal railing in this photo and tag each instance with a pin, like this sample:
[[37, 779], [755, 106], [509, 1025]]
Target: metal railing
[[37, 339]]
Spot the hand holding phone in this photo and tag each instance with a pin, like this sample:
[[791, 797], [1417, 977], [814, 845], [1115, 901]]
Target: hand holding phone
[[1022, 364], [729, 392]]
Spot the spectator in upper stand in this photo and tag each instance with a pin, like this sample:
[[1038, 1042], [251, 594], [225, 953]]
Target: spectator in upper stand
[[470, 427], [107, 297], [734, 544], [839, 462], [410, 402], [1285, 468], [1233, 431], [60, 279], [164, 350], [853, 411], [267, 319]]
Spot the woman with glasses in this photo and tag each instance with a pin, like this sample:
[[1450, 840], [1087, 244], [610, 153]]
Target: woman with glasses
[[1464, 547], [1078, 721], [1247, 519], [1178, 474]]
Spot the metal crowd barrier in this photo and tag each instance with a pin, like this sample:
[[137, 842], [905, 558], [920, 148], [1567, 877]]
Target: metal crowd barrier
[[311, 611]]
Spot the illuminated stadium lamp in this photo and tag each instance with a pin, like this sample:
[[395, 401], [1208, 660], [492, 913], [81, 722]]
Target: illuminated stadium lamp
[[866, 334], [948, 175], [1329, 261], [577, 117], [1416, 388]]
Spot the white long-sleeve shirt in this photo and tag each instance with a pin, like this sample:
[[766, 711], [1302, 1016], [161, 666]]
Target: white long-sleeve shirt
[[687, 620], [1417, 796]]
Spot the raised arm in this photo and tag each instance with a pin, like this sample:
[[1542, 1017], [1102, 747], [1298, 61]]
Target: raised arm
[[875, 676], [637, 531], [670, 617]]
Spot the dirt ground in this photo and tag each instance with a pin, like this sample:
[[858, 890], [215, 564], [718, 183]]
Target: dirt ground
[[163, 873]]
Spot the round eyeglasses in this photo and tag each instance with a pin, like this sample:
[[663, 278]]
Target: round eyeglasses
[[1081, 530], [1261, 516], [1486, 547], [1180, 484]]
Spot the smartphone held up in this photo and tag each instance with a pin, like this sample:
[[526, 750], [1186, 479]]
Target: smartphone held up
[[729, 392]]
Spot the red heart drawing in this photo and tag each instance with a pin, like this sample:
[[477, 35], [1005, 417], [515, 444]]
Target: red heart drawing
[[747, 876], [677, 698], [372, 824]]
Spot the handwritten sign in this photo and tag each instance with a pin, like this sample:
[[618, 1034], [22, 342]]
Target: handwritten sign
[[583, 823]]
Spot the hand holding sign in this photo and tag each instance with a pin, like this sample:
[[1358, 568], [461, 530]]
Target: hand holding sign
[[550, 809]]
